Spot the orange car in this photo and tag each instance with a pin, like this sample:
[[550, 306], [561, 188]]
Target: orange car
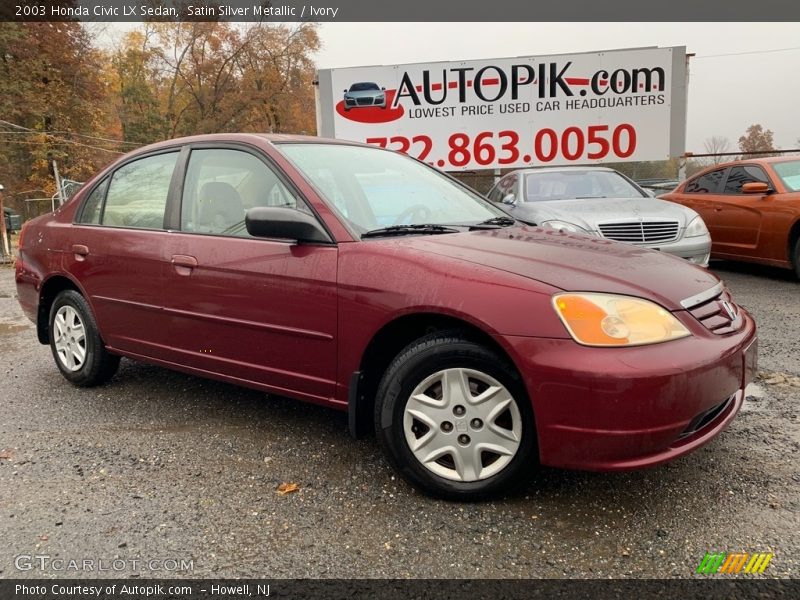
[[751, 208]]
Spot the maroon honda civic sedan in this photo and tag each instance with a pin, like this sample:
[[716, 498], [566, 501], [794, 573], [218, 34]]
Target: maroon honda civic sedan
[[474, 346]]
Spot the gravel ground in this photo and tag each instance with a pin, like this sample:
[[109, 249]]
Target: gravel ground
[[160, 465]]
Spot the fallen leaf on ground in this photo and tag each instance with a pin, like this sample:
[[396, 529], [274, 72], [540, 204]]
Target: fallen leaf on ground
[[6, 454], [287, 488]]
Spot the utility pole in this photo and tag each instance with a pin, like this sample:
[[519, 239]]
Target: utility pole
[[683, 159], [3, 233], [53, 168], [59, 190]]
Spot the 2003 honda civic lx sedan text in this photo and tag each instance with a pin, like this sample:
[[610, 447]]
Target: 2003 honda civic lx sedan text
[[358, 278]]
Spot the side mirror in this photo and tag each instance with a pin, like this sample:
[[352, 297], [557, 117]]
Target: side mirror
[[283, 224], [383, 89], [756, 187], [510, 199], [345, 91]]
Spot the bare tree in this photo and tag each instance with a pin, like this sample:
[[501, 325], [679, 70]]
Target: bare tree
[[717, 144]]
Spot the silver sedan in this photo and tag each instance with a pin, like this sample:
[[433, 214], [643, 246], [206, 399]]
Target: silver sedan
[[603, 202]]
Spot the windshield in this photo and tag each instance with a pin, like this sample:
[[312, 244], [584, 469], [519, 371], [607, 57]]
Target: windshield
[[789, 172], [363, 87], [373, 188], [577, 183]]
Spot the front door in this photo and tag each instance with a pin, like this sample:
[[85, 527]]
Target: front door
[[739, 216], [256, 310]]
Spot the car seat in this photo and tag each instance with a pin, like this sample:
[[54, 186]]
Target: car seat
[[219, 207]]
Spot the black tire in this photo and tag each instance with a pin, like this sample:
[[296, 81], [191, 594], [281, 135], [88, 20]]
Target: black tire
[[418, 361], [796, 257], [98, 365]]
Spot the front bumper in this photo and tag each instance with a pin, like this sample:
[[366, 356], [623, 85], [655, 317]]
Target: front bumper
[[694, 249], [610, 409], [368, 102]]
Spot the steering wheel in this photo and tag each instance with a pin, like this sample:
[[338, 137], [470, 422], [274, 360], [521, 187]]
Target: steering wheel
[[413, 214]]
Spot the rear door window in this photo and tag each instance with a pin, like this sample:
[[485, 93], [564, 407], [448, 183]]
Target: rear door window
[[706, 184], [137, 194]]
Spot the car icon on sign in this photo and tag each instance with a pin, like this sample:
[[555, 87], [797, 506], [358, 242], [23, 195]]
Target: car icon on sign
[[364, 94]]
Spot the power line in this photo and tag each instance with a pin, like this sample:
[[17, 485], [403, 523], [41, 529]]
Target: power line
[[55, 140], [61, 139], [750, 52], [62, 142], [83, 135]]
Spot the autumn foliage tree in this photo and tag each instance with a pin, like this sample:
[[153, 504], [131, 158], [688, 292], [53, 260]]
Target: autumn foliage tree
[[53, 82], [184, 78], [757, 139], [63, 95]]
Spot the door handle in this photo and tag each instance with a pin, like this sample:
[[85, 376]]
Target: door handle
[[80, 251], [184, 264], [717, 209]]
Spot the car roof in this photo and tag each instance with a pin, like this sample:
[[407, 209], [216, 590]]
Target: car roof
[[755, 159], [241, 137], [562, 169]]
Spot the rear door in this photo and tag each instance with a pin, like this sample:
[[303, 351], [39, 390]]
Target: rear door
[[703, 194], [250, 309], [117, 252]]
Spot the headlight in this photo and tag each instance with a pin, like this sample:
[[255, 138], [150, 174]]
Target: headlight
[[564, 226], [611, 320], [696, 228]]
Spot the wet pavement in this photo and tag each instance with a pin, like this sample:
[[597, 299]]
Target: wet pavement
[[164, 467]]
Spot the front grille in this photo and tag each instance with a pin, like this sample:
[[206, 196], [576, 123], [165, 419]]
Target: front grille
[[364, 101], [705, 418], [715, 314], [641, 232]]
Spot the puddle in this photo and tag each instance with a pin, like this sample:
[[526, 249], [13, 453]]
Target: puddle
[[9, 328]]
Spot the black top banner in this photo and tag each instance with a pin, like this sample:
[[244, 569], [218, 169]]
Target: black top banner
[[399, 10]]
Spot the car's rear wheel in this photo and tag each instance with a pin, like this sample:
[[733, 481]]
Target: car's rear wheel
[[77, 348], [454, 419]]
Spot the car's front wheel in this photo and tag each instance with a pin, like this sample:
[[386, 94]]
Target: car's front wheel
[[77, 348], [796, 257], [454, 419]]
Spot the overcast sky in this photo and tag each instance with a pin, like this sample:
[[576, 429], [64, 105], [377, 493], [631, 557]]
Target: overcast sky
[[726, 93]]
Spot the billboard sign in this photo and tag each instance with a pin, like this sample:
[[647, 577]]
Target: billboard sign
[[613, 106]]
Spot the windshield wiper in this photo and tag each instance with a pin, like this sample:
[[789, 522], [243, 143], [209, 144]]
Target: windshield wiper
[[501, 221], [431, 228]]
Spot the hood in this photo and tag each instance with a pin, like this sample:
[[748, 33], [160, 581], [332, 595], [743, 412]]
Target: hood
[[574, 262], [587, 213]]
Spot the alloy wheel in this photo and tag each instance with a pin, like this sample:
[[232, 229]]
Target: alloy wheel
[[69, 338]]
